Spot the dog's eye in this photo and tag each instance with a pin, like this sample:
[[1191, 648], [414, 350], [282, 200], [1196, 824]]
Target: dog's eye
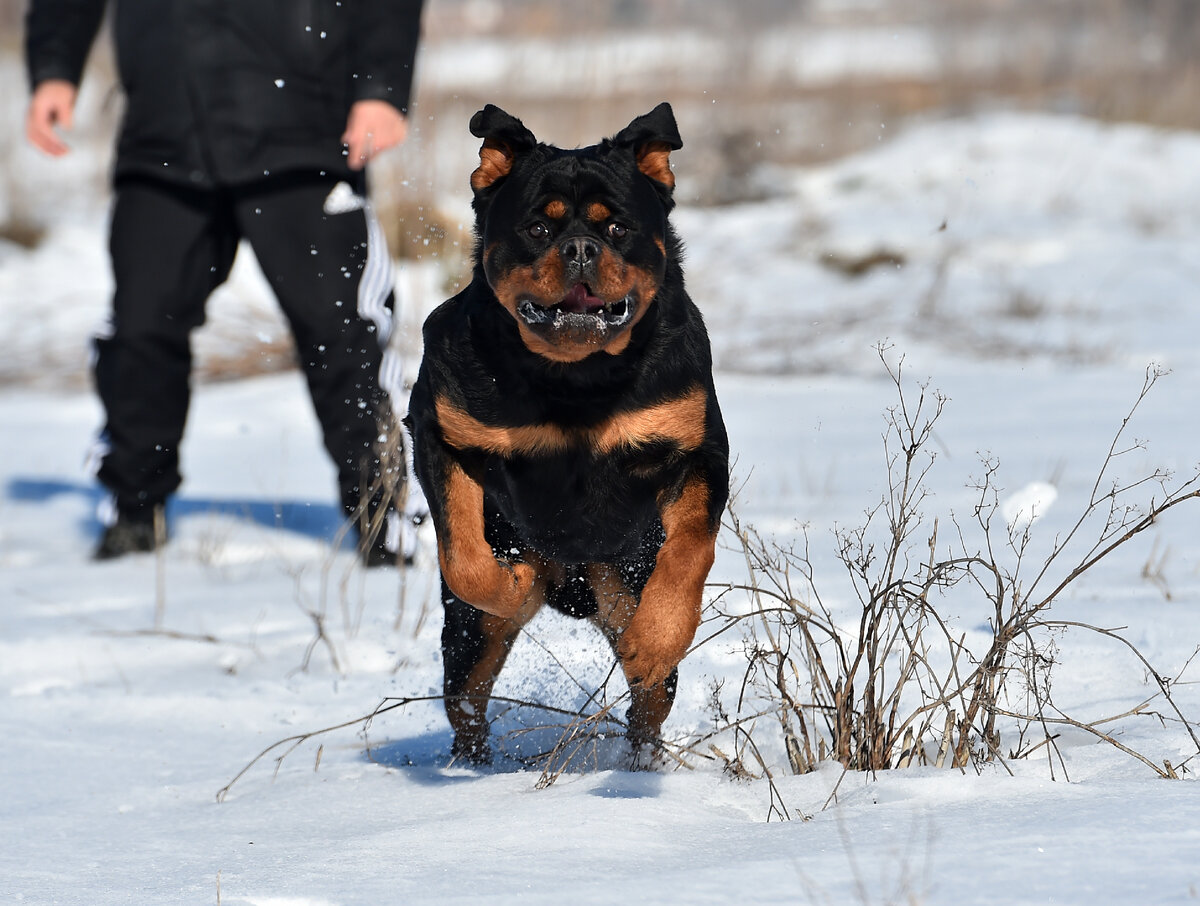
[[617, 230], [539, 230]]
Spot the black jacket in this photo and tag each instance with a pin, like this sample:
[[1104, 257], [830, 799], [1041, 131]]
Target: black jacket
[[224, 92]]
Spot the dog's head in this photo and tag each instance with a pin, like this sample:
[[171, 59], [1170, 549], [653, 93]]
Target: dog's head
[[574, 244]]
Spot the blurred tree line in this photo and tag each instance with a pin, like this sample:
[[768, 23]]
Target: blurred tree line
[[758, 81]]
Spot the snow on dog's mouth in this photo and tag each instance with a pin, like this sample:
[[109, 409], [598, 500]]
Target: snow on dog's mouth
[[579, 308]]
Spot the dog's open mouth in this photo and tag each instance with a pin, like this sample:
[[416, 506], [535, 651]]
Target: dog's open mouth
[[578, 309]]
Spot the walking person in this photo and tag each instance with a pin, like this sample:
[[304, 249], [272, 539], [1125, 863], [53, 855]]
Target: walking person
[[244, 120]]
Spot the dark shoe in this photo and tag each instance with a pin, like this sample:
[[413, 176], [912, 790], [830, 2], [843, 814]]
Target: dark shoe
[[128, 535]]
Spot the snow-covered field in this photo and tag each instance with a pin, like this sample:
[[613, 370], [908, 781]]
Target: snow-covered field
[[1028, 267]]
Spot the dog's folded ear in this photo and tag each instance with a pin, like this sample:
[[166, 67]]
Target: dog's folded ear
[[652, 137], [504, 137]]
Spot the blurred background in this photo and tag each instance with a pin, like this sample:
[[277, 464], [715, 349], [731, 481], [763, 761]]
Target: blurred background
[[763, 90]]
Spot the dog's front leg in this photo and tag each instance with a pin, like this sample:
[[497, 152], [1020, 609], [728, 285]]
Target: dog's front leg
[[668, 613], [464, 555]]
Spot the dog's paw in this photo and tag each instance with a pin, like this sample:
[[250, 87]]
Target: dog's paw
[[649, 652], [646, 756], [472, 751]]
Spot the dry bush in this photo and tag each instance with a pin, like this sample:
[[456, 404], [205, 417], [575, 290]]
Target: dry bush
[[906, 686]]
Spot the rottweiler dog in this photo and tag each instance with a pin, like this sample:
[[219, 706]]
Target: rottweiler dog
[[565, 427]]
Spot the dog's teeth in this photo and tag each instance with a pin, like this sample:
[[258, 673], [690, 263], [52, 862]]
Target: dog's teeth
[[530, 313], [618, 312]]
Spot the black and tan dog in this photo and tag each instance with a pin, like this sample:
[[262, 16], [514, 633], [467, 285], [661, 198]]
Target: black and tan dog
[[566, 431]]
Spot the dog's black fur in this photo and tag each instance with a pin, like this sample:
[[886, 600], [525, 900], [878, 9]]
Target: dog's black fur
[[566, 430]]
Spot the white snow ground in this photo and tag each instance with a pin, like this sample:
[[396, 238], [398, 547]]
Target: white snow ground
[[1066, 265]]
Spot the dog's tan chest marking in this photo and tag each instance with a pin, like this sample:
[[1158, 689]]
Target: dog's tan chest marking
[[465, 432], [680, 421]]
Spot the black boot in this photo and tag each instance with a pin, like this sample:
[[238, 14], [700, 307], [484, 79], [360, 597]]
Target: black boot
[[134, 532]]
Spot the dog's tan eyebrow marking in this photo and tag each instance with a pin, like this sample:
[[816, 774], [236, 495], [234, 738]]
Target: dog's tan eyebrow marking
[[556, 210], [681, 421], [597, 212]]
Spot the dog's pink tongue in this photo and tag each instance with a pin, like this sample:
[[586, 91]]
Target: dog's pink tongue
[[579, 301]]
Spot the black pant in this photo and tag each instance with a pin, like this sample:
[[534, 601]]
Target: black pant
[[170, 249]]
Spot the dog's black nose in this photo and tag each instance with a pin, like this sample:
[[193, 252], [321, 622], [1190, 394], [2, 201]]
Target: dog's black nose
[[580, 251]]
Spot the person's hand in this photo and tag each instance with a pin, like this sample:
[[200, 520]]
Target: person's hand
[[372, 127], [51, 108]]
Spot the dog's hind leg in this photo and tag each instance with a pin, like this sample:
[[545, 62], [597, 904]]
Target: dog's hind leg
[[474, 647]]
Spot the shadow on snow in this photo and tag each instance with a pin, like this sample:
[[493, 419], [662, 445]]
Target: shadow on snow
[[426, 760], [311, 519]]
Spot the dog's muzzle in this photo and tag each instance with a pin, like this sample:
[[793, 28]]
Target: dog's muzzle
[[579, 309]]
